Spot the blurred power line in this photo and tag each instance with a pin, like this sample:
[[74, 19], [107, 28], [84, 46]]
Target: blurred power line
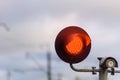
[[28, 55], [9, 73], [4, 25], [48, 72]]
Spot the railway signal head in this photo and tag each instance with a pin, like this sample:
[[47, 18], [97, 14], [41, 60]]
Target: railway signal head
[[72, 44]]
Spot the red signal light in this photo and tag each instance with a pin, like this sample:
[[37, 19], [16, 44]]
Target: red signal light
[[73, 44]]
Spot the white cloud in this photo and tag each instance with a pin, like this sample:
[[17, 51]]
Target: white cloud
[[32, 33], [4, 6]]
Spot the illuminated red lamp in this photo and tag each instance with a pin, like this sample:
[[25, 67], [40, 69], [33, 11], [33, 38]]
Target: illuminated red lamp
[[72, 44]]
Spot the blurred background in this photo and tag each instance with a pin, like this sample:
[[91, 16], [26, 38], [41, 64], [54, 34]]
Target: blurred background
[[28, 29]]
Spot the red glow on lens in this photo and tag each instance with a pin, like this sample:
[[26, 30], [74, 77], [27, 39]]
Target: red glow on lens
[[75, 46]]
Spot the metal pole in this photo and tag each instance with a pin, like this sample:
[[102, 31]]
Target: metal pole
[[103, 73], [49, 66]]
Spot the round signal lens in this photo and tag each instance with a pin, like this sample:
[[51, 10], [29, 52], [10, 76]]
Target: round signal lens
[[110, 63], [72, 44]]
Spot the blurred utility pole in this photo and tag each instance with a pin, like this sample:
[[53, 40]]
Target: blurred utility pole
[[48, 57], [49, 69], [49, 66], [8, 75]]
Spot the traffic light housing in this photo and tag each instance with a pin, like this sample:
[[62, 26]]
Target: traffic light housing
[[72, 44]]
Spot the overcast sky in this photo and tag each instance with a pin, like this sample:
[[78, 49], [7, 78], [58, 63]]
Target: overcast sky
[[34, 24]]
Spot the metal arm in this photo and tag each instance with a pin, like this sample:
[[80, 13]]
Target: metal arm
[[93, 70]]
